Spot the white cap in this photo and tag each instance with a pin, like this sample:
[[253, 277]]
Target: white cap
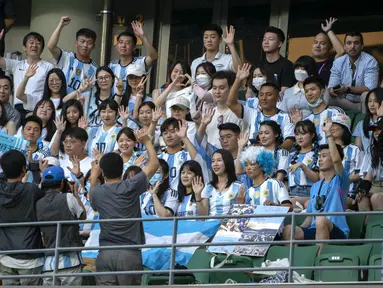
[[136, 70], [342, 119], [53, 161], [180, 102]]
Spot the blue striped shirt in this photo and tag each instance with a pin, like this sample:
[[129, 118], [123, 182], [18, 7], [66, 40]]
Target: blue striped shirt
[[366, 74]]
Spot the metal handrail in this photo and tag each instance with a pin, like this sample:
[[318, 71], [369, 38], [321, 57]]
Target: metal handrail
[[172, 271]]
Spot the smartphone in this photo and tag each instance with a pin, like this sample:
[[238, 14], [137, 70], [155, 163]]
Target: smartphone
[[336, 87]]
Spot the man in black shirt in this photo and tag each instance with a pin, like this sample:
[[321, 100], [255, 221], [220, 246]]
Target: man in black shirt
[[279, 68]]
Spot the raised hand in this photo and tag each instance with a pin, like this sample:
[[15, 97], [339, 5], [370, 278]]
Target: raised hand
[[95, 170], [207, 116], [198, 186], [141, 87], [123, 112], [140, 160], [86, 84], [157, 114], [83, 123], [60, 124], [243, 71], [326, 128], [120, 85], [76, 166], [154, 190], [295, 115], [142, 135], [43, 164], [29, 154], [241, 197], [31, 70], [178, 82], [328, 26], [183, 128], [97, 154], [230, 33], [379, 112], [243, 139], [138, 29], [65, 20]]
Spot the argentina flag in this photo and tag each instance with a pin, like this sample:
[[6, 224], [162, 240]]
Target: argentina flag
[[160, 232]]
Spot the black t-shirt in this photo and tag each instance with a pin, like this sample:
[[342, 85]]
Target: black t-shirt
[[281, 71], [324, 69]]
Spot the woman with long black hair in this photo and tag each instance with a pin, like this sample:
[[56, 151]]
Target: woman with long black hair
[[190, 187]]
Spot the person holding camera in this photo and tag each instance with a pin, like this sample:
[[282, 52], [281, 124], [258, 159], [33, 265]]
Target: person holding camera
[[327, 195], [59, 206]]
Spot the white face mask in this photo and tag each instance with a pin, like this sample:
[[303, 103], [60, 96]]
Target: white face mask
[[258, 82], [316, 103], [301, 75], [203, 80]]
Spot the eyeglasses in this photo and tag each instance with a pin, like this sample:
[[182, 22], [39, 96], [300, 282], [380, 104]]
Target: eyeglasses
[[102, 78]]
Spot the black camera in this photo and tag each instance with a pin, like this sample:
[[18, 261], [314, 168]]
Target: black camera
[[319, 202], [363, 189]]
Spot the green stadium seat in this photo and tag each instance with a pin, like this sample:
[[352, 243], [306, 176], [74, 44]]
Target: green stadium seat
[[355, 222], [360, 251], [304, 256], [200, 260], [336, 259], [374, 230], [375, 274], [299, 219], [233, 261]]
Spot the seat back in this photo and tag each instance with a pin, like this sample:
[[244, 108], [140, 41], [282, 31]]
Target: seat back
[[304, 256], [374, 230], [375, 274], [356, 223], [336, 259], [233, 261]]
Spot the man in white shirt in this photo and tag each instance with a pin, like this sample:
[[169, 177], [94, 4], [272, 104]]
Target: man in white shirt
[[212, 36], [126, 45], [33, 46], [222, 81], [76, 66]]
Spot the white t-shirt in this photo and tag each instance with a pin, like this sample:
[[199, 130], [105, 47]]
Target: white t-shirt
[[212, 131], [35, 86], [221, 62], [85, 166]]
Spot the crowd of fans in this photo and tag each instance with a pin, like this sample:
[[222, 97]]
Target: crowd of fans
[[100, 147]]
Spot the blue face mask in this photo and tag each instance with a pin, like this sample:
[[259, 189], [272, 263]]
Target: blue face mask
[[156, 177]]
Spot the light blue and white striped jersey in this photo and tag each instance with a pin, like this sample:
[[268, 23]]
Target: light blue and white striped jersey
[[319, 119], [187, 207], [352, 162], [253, 117], [175, 162], [120, 71], [270, 189], [130, 161], [281, 158], [220, 202], [103, 141], [92, 112], [299, 178], [75, 70], [169, 201], [252, 102]]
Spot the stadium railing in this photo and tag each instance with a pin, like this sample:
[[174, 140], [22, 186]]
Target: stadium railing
[[172, 271]]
